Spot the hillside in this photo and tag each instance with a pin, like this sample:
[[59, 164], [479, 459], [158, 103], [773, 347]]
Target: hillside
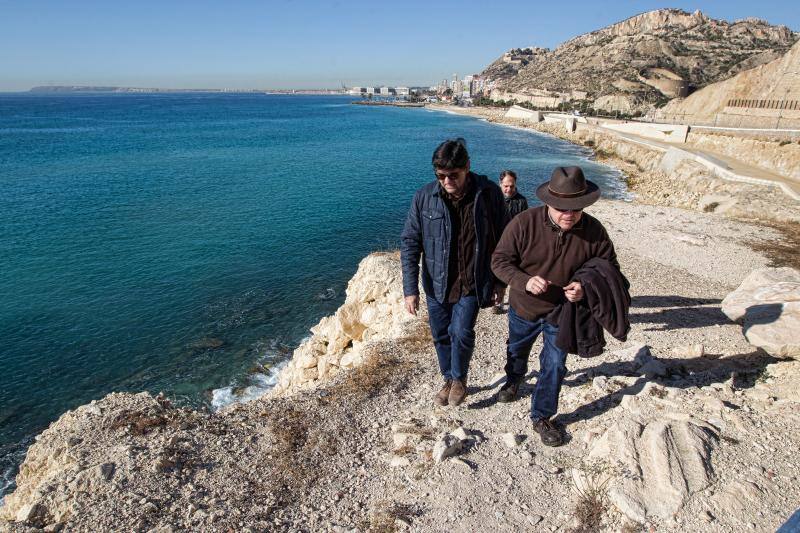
[[768, 92], [646, 58]]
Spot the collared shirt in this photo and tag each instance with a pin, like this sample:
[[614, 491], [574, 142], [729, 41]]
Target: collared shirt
[[461, 264]]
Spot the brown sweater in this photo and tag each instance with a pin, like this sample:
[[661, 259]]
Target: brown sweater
[[532, 245]]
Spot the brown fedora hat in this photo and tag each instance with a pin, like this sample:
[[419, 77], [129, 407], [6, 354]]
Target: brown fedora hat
[[568, 189]]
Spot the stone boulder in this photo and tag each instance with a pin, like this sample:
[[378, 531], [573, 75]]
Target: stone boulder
[[767, 304], [658, 465], [446, 446]]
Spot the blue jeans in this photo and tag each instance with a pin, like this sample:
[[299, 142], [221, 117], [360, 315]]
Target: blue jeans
[[552, 362], [453, 332]]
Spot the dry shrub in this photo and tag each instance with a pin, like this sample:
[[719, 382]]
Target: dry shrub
[[784, 251], [289, 427], [138, 423], [378, 370], [383, 519], [592, 498], [589, 510], [630, 527]]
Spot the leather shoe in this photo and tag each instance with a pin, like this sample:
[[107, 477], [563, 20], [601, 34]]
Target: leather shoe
[[458, 391], [442, 395], [508, 392], [548, 432]]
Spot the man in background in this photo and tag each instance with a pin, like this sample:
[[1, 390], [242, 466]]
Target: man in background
[[453, 225], [515, 203]]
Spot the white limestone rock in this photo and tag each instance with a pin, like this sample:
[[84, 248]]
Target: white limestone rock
[[511, 440], [740, 498], [691, 350], [775, 328], [762, 286], [446, 446], [461, 434], [372, 311], [654, 368], [767, 304], [398, 461], [639, 353], [661, 464]]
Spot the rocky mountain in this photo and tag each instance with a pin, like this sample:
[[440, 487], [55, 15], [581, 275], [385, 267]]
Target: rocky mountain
[[649, 57]]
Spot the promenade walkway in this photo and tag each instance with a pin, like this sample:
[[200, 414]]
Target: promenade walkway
[[723, 166]]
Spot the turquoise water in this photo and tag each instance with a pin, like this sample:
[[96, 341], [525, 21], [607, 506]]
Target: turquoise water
[[185, 243]]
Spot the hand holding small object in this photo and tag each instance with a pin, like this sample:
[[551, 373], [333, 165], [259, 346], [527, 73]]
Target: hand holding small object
[[573, 292], [537, 285]]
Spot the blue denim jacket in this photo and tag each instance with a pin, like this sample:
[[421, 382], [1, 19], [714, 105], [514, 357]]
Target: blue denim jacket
[[427, 234]]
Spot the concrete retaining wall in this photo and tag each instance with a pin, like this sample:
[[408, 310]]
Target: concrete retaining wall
[[523, 114], [659, 132]]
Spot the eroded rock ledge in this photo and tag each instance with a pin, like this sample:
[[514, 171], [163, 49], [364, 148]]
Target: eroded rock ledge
[[373, 311]]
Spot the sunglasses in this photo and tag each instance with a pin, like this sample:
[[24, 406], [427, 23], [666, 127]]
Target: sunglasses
[[454, 175], [568, 210]]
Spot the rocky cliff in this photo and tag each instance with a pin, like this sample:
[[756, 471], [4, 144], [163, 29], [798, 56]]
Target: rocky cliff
[[644, 59], [373, 311]]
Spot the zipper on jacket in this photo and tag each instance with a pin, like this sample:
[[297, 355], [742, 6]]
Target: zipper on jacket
[[446, 249], [477, 240], [556, 228], [559, 241]]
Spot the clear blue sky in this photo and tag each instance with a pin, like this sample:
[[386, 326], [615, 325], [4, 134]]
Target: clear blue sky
[[296, 43]]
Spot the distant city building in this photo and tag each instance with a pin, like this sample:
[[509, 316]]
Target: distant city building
[[385, 91], [402, 91], [370, 90]]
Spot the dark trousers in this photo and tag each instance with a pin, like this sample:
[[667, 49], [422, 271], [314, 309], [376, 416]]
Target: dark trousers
[[453, 332], [552, 362]]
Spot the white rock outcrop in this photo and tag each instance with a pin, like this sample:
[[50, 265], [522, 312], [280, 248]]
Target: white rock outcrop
[[660, 464], [373, 310], [767, 304], [56, 472]]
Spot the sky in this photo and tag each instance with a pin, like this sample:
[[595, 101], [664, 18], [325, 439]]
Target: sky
[[296, 43]]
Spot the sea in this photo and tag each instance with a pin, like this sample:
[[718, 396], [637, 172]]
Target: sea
[[186, 243]]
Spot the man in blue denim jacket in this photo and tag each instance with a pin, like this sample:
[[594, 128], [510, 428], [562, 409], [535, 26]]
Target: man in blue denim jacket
[[453, 224]]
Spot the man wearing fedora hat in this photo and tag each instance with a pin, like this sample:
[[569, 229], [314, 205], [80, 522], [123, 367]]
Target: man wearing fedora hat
[[537, 256]]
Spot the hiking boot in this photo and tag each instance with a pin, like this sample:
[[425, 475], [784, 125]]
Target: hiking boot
[[508, 392], [457, 392], [548, 432], [442, 395]]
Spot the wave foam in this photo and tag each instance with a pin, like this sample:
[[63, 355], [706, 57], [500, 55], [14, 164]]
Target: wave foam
[[260, 385]]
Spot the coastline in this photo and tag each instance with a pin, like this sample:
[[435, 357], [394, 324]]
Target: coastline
[[324, 450], [653, 181]]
